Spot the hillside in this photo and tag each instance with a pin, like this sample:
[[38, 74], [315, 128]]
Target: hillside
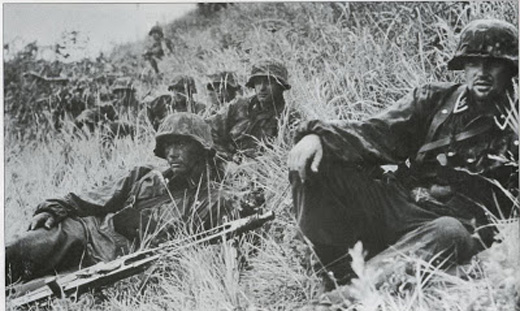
[[345, 61]]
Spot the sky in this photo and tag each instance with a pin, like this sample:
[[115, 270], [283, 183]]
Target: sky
[[100, 26]]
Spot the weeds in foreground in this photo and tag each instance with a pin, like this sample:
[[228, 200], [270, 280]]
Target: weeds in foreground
[[346, 61]]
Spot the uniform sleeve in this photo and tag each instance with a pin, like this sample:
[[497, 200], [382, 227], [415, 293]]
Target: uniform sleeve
[[389, 137], [100, 201], [220, 127]]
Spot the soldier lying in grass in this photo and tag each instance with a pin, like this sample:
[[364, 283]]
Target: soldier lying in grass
[[79, 230], [449, 140], [178, 99]]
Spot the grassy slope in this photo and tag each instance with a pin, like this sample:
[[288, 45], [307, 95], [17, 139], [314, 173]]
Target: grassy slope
[[345, 61]]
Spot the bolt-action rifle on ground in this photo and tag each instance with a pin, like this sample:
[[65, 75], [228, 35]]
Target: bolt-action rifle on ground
[[105, 273]]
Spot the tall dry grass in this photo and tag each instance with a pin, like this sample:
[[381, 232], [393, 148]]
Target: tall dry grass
[[346, 61]]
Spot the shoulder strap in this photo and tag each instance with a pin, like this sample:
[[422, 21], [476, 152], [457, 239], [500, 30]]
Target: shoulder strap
[[459, 137], [440, 117]]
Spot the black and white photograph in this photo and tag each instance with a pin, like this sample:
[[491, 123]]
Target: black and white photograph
[[258, 156]]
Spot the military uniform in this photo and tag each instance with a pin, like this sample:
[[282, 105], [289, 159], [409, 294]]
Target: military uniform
[[94, 117], [447, 149], [156, 49], [126, 103], [101, 224], [165, 104], [222, 88], [245, 122]]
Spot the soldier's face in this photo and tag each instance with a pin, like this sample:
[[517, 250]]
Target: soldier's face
[[183, 155], [156, 36], [179, 97], [487, 77], [267, 90]]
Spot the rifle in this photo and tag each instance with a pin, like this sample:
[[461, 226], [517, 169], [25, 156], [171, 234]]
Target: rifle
[[105, 273]]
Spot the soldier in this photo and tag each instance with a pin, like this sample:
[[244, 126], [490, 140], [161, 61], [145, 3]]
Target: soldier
[[90, 119], [179, 99], [125, 101], [446, 138], [104, 223], [70, 106], [246, 121], [107, 115], [182, 88], [222, 88], [156, 50]]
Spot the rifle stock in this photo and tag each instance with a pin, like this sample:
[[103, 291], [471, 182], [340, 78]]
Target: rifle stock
[[105, 273]]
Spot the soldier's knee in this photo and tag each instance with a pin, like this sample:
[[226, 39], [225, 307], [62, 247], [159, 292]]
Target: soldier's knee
[[451, 234], [449, 228]]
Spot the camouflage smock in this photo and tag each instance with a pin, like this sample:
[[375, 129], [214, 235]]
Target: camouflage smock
[[449, 180], [123, 213], [242, 124]]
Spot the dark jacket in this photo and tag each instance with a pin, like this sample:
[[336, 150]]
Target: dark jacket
[[145, 202], [242, 124], [445, 174]]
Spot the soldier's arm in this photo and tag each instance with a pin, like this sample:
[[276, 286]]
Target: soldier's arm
[[100, 201], [389, 137], [220, 127]]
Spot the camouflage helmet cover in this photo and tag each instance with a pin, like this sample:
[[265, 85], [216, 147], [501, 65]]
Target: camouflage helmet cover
[[486, 38], [182, 83], [124, 83], [156, 29], [183, 124], [228, 78], [271, 69]]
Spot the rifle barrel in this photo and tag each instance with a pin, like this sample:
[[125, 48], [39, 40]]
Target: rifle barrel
[[105, 273]]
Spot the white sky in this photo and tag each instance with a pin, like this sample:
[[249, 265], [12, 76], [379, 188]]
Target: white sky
[[103, 24]]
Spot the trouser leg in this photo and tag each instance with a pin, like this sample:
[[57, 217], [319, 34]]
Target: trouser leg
[[336, 208], [153, 62], [441, 242], [40, 252]]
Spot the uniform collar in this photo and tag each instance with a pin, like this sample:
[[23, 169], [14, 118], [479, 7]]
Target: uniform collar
[[497, 111], [256, 108]]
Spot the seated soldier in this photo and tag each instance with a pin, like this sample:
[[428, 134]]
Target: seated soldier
[[125, 101], [179, 99], [79, 230], [93, 118], [156, 50], [240, 126], [448, 139], [222, 89], [70, 105], [113, 123], [182, 88]]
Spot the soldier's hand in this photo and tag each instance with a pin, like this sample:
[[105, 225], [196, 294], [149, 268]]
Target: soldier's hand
[[308, 149], [44, 219]]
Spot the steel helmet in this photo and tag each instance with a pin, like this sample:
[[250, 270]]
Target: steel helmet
[[156, 29], [183, 83], [124, 83], [271, 69], [227, 78], [486, 38], [183, 124]]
